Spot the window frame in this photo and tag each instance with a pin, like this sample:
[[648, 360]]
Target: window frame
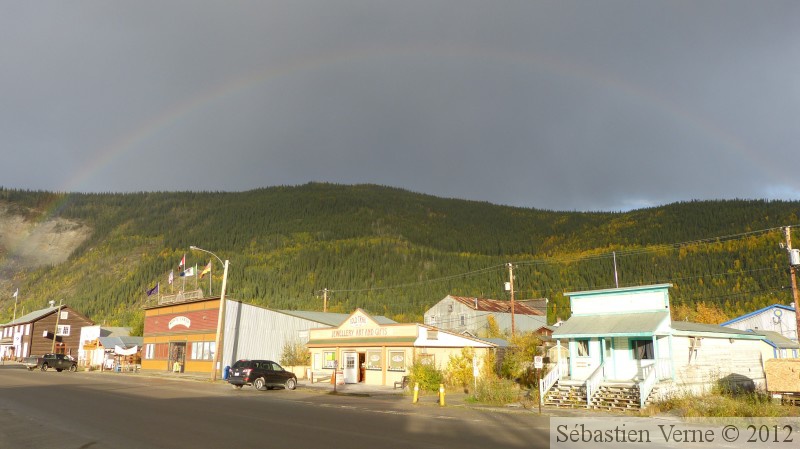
[[580, 343]]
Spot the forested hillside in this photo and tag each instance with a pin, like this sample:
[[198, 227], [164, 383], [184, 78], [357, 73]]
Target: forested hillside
[[395, 252]]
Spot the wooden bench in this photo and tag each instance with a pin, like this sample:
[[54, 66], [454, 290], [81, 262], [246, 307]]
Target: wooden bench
[[320, 376], [402, 384]]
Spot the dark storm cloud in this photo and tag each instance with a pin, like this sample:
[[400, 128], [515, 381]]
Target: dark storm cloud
[[562, 105]]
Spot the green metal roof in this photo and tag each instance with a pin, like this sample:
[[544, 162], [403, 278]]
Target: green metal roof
[[617, 324], [687, 328], [777, 340], [366, 341]]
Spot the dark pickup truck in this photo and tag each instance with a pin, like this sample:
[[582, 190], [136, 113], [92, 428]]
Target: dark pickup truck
[[59, 362]]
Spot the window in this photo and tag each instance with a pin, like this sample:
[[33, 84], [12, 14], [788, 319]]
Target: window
[[64, 314], [63, 330], [433, 334], [427, 359], [161, 351], [463, 320], [27, 329], [397, 361], [330, 359], [149, 351], [374, 360], [642, 349], [203, 350], [432, 320], [583, 347]]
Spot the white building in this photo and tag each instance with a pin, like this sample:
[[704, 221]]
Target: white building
[[622, 342], [470, 315], [776, 318]]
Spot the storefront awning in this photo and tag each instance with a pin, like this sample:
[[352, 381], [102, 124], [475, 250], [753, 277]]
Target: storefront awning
[[612, 325]]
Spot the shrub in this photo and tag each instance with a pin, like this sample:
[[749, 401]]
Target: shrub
[[428, 377], [295, 354], [459, 369]]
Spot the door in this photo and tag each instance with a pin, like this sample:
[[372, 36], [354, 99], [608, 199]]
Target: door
[[177, 357], [350, 367]]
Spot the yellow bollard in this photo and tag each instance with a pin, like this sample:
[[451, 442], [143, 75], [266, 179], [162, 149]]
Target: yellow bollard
[[441, 395], [416, 392]]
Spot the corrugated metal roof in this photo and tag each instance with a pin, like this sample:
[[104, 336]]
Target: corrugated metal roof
[[124, 342], [115, 331], [524, 307], [688, 326], [777, 340], [33, 316], [620, 324], [331, 319]]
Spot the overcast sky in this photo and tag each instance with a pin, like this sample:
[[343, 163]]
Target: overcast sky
[[564, 105]]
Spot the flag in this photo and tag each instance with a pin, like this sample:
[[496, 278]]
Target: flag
[[207, 269], [171, 277], [183, 262], [189, 272], [16, 293], [153, 290]]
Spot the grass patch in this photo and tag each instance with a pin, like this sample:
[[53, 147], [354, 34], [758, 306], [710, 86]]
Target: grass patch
[[723, 404], [495, 392]]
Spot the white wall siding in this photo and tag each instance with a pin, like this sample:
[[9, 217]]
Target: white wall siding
[[262, 333], [768, 321], [717, 359]]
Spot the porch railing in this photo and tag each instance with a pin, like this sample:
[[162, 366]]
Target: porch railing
[[548, 381], [663, 368], [593, 383], [646, 386]]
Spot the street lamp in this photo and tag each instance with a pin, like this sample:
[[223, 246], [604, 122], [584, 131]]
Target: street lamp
[[221, 318]]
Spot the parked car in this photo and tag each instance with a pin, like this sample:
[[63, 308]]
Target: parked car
[[59, 362], [261, 374]]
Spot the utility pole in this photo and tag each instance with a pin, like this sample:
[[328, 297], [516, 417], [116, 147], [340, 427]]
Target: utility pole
[[324, 299], [511, 288], [55, 333], [788, 234]]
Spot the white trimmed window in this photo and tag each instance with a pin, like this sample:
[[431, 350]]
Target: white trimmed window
[[149, 351], [203, 350], [63, 330]]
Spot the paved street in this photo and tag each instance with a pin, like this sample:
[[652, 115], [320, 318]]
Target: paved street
[[109, 410]]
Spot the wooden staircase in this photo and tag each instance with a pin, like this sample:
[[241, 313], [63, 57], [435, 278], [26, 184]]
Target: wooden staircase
[[565, 395], [610, 396], [618, 397]]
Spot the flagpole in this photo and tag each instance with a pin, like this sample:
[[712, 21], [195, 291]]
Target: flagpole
[[195, 276], [16, 298], [210, 275]]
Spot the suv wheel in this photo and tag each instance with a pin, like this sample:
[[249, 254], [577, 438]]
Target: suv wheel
[[73, 368], [260, 384], [291, 384]]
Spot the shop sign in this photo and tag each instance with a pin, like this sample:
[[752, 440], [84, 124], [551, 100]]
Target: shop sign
[[355, 333], [180, 321]]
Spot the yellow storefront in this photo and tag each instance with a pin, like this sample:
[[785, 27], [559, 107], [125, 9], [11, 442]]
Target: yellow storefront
[[363, 350]]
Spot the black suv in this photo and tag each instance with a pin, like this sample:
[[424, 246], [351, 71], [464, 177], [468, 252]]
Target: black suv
[[261, 374]]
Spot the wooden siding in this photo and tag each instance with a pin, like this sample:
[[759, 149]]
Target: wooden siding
[[199, 320], [38, 344]]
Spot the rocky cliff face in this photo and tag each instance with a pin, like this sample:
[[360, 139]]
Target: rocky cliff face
[[26, 243]]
